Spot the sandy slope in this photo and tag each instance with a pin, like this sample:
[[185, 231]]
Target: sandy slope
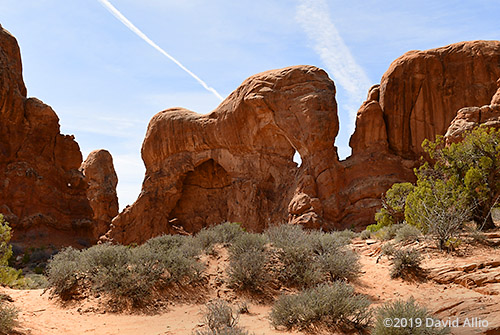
[[41, 315]]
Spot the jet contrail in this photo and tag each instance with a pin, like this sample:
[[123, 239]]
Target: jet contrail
[[314, 18], [139, 33]]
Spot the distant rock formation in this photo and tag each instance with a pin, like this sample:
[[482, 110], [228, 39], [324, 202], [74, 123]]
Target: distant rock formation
[[236, 163], [43, 194], [418, 97], [102, 181], [422, 90]]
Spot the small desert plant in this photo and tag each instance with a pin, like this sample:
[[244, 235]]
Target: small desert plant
[[388, 248], [343, 236], [64, 271], [8, 318], [285, 234], [221, 319], [248, 258], [405, 261], [223, 233], [407, 233], [365, 234], [388, 232], [330, 305], [333, 258], [406, 317], [35, 281]]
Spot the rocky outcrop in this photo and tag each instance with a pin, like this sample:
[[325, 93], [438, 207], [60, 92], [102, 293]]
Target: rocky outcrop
[[371, 132], [236, 163], [102, 180], [470, 117], [422, 90], [42, 192], [418, 97]]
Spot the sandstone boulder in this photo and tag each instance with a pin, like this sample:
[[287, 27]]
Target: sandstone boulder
[[102, 180]]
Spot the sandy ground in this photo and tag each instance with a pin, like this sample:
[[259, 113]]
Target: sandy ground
[[41, 315]]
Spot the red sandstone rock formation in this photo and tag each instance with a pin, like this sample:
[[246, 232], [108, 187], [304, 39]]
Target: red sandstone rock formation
[[102, 180], [236, 163], [470, 117], [422, 91], [42, 192], [419, 96]]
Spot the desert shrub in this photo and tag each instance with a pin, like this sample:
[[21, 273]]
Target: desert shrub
[[176, 255], [223, 233], [407, 233], [8, 275], [365, 234], [308, 258], [294, 250], [129, 273], [248, 258], [472, 165], [330, 305], [63, 272], [438, 207], [393, 205], [221, 319], [388, 248], [405, 310], [285, 234], [219, 314], [35, 281], [405, 261], [388, 232], [343, 237], [8, 318], [333, 258]]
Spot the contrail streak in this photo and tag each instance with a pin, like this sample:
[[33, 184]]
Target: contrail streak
[[139, 33], [314, 18]]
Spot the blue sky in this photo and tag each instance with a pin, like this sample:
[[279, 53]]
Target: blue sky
[[105, 82]]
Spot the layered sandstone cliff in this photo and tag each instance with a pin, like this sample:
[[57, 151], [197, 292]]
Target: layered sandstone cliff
[[422, 90], [43, 195]]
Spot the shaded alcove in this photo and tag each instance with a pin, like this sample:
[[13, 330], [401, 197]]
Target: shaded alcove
[[204, 197]]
